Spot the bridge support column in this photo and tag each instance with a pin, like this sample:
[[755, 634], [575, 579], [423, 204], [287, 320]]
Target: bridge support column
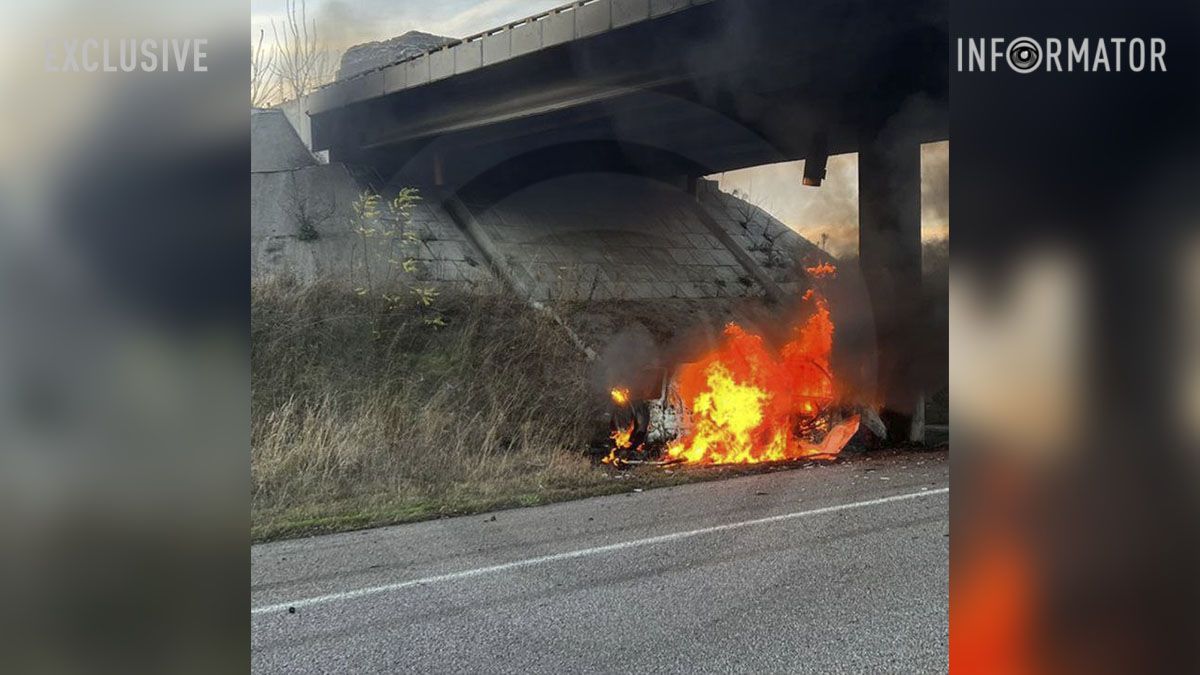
[[889, 242]]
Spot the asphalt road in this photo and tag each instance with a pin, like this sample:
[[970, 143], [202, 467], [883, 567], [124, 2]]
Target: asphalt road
[[826, 569]]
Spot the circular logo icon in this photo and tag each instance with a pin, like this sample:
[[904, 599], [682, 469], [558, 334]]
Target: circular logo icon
[[1024, 55]]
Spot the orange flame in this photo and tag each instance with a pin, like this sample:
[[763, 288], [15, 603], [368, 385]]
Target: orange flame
[[748, 400], [821, 270], [620, 396], [623, 438]]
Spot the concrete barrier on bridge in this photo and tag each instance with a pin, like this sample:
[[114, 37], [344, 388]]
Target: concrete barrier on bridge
[[593, 18], [557, 28], [526, 38], [467, 57], [625, 12], [441, 64]]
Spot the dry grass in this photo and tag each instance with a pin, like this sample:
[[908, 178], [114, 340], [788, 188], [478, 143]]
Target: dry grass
[[364, 414]]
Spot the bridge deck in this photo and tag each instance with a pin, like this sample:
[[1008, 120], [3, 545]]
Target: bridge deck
[[674, 87], [576, 20]]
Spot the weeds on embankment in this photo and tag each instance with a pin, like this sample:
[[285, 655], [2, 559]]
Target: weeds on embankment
[[363, 413]]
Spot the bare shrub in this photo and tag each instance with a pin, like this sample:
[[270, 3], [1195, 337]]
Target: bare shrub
[[309, 213], [754, 218], [301, 64], [264, 86]]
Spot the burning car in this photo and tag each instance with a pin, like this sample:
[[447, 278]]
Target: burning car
[[642, 428], [746, 401]]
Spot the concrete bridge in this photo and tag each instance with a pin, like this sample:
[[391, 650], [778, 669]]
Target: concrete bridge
[[698, 86], [665, 91]]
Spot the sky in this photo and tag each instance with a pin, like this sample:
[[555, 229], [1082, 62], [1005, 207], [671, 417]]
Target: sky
[[830, 210], [343, 23]]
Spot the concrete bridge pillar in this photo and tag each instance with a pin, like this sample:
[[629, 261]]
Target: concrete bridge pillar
[[889, 176]]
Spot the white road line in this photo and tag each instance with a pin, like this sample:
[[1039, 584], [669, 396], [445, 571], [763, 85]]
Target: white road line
[[466, 574]]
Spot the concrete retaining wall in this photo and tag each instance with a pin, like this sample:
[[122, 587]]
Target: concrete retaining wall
[[330, 249], [580, 237], [276, 143], [303, 224], [613, 236], [774, 246]]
